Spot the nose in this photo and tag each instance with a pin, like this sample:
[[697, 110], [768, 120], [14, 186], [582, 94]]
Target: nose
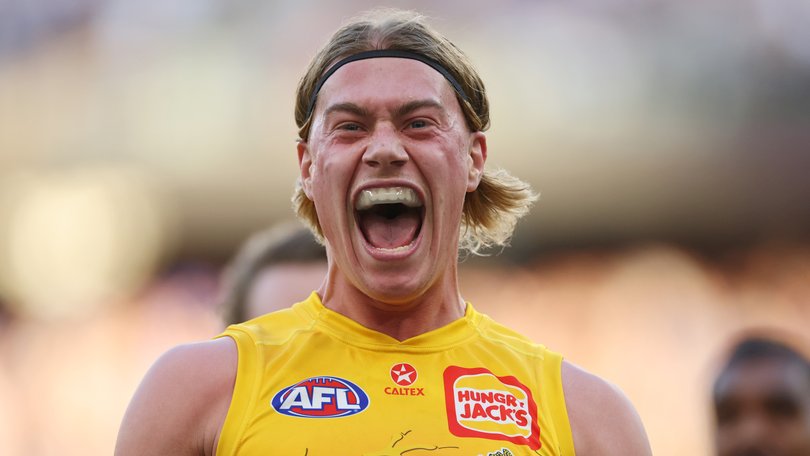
[[385, 149]]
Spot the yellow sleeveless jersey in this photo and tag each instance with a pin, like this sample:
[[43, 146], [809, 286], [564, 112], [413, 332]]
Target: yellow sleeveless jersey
[[311, 382]]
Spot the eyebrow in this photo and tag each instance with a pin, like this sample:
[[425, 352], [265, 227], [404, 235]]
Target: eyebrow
[[350, 108], [401, 111], [412, 106]]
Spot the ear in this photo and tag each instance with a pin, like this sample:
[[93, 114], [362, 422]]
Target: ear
[[476, 160], [305, 165]]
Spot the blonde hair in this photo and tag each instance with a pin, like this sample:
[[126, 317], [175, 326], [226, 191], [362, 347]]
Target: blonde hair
[[492, 210]]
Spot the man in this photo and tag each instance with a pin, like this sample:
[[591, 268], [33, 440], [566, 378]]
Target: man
[[387, 357], [762, 401], [272, 269]]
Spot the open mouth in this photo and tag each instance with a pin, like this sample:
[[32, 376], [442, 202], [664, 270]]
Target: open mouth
[[390, 218]]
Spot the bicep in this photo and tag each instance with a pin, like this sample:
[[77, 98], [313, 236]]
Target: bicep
[[603, 421], [170, 411]]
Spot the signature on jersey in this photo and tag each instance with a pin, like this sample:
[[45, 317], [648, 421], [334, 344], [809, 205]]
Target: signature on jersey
[[392, 450]]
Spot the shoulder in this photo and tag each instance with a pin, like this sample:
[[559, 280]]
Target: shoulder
[[495, 331], [182, 401], [603, 421], [272, 328]]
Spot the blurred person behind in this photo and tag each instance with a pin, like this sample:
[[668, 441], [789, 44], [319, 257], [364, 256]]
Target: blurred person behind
[[13, 417], [272, 269], [761, 400]]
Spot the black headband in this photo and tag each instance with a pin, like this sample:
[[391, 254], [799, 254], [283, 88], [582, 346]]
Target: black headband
[[385, 53]]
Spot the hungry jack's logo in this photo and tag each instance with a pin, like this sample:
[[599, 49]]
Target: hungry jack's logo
[[481, 404]]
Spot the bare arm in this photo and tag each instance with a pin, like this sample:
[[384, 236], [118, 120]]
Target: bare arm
[[603, 421], [181, 403]]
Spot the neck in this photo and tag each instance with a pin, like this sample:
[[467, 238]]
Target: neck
[[400, 319]]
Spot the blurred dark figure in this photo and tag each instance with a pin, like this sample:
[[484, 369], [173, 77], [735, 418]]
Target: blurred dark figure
[[762, 400], [272, 269]]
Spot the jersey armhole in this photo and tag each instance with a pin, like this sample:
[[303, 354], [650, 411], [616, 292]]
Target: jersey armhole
[[244, 391], [559, 412]]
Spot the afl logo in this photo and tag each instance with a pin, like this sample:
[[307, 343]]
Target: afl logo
[[403, 374], [321, 397]]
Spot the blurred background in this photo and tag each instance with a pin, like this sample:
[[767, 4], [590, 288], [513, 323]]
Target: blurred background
[[142, 142]]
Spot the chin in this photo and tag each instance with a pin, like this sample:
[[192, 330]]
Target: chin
[[396, 291]]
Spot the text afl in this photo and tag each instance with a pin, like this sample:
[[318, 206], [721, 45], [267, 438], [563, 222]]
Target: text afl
[[321, 397]]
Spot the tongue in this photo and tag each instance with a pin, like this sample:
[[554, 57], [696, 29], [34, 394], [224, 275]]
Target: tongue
[[386, 233]]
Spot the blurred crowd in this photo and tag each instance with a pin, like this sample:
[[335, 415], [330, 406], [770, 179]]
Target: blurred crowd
[[655, 319]]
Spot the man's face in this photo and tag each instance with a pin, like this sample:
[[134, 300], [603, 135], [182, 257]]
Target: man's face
[[762, 408], [388, 163]]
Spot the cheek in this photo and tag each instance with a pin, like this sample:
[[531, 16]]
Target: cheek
[[330, 175], [322, 172], [331, 180], [453, 177], [450, 165]]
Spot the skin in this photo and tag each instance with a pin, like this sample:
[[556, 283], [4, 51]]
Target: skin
[[383, 123], [762, 408], [378, 123]]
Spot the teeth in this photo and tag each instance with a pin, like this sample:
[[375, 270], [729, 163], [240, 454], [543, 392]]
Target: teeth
[[388, 195], [395, 249]]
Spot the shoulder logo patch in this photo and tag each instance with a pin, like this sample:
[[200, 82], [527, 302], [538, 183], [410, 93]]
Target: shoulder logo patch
[[321, 397], [481, 404]]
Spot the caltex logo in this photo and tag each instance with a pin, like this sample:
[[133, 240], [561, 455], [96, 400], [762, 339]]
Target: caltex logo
[[403, 374]]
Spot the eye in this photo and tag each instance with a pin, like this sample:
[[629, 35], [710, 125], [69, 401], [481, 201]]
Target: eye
[[418, 123], [726, 412], [782, 406], [349, 126], [348, 130]]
